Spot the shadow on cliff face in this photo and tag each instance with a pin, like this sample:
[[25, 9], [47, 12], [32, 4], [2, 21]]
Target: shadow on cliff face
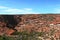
[[10, 20]]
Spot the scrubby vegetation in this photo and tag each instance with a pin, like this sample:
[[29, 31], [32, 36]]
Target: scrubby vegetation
[[22, 36], [28, 36]]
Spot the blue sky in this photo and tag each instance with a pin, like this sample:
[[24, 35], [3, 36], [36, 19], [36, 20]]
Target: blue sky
[[29, 6]]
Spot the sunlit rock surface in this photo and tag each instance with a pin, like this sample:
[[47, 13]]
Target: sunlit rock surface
[[50, 24]]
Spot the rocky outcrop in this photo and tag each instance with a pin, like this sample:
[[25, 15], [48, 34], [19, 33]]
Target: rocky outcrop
[[49, 24]]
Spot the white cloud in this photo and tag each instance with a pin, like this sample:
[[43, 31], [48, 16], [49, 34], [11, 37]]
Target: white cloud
[[13, 10], [7, 10], [28, 9], [2, 7]]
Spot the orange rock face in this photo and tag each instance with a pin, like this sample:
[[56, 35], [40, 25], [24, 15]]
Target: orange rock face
[[10, 31], [33, 22]]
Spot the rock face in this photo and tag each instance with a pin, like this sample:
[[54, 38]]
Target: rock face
[[7, 24], [36, 22], [11, 22], [33, 22], [49, 24]]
